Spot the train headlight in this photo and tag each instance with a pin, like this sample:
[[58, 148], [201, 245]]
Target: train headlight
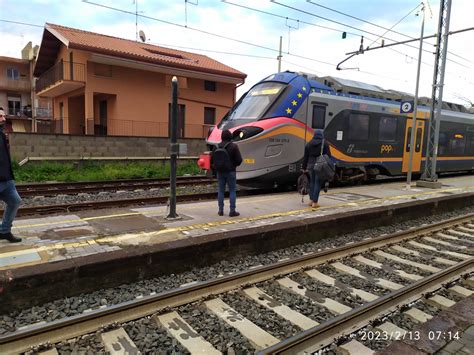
[[246, 132]]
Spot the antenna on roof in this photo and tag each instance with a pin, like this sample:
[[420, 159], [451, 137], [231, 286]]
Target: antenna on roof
[[142, 36]]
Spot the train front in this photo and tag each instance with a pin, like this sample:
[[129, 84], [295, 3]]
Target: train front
[[268, 125]]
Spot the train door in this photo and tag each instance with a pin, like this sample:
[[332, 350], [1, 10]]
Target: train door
[[416, 165]]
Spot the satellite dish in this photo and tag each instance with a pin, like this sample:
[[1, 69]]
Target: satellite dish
[[142, 35]]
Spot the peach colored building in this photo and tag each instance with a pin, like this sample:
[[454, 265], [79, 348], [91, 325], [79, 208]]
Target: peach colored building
[[15, 93], [103, 85]]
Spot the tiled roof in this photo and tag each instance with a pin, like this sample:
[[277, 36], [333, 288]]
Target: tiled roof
[[143, 52]]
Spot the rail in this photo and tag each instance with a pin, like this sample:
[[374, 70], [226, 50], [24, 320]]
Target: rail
[[68, 328]]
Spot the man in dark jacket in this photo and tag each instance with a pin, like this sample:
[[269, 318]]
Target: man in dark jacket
[[228, 176], [311, 152], [8, 193]]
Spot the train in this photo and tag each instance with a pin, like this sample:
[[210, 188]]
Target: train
[[368, 137]]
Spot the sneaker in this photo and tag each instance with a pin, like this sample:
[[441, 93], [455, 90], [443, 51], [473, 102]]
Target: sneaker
[[234, 214], [220, 213], [10, 237], [315, 205], [326, 186]]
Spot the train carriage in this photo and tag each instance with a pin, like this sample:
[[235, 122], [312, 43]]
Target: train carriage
[[367, 136]]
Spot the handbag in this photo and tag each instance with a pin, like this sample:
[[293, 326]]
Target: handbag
[[324, 167]]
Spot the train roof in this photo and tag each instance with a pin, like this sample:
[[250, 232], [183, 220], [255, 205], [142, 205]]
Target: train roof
[[452, 116], [356, 89]]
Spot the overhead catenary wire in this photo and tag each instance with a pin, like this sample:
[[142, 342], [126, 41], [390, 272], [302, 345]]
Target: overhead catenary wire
[[316, 25], [379, 26], [349, 26], [206, 32]]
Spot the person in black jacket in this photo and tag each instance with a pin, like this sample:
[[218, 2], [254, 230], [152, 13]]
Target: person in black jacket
[[228, 176], [311, 152], [8, 193]]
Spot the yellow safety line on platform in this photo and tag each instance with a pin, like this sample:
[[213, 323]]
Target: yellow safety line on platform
[[118, 238], [85, 219]]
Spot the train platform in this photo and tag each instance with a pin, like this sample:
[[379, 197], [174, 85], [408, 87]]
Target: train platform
[[106, 247]]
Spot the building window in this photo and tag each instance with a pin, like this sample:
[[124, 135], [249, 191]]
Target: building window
[[13, 74], [209, 85], [103, 70], [14, 105], [319, 117], [388, 129], [358, 127], [209, 115]]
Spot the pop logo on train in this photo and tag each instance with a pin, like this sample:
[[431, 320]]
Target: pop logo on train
[[386, 148]]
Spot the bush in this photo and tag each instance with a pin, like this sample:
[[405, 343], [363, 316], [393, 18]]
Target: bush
[[97, 171]]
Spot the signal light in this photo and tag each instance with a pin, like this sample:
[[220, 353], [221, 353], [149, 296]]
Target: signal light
[[344, 35]]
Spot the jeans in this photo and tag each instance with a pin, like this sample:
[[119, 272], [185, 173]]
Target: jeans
[[229, 178], [314, 186], [9, 195]]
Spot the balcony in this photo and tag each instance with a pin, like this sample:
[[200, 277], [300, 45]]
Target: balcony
[[22, 85], [60, 79]]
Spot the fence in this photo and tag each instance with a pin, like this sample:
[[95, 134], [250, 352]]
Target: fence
[[61, 71]]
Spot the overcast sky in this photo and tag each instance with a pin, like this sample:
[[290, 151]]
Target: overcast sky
[[321, 48]]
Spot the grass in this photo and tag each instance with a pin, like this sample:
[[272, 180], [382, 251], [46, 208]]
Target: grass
[[93, 171]]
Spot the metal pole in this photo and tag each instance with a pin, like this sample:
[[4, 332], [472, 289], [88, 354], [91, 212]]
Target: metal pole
[[415, 105], [279, 55], [173, 146], [429, 176]]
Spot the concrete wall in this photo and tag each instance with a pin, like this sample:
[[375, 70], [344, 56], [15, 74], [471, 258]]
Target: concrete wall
[[24, 145]]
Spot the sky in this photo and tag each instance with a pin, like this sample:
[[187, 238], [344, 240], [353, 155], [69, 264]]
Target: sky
[[245, 35]]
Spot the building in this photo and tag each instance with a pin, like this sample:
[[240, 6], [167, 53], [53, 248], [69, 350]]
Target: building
[[15, 93], [103, 85], [25, 111]]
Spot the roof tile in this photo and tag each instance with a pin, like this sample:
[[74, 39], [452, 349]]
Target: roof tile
[[144, 52]]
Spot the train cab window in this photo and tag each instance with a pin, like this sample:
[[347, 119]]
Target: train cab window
[[319, 117], [388, 129], [359, 127]]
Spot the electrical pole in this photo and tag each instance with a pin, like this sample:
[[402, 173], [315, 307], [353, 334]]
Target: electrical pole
[[174, 148], [415, 104], [279, 55], [429, 177]]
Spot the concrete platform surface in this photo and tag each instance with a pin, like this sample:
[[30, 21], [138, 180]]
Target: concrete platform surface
[[67, 254], [56, 238]]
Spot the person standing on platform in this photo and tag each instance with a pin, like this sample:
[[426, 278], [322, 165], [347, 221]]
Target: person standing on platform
[[225, 158], [8, 193], [311, 152]]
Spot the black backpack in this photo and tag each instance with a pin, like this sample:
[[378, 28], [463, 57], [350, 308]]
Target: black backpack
[[221, 159]]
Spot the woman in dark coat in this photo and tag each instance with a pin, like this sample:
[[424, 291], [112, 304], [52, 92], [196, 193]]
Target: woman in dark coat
[[311, 152]]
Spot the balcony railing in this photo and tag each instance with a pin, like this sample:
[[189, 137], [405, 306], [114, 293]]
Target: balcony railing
[[43, 112], [59, 72], [16, 85]]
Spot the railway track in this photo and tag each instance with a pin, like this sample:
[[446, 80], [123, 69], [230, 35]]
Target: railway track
[[64, 188], [342, 290]]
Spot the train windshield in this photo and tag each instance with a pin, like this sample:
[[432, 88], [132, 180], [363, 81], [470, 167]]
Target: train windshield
[[253, 105]]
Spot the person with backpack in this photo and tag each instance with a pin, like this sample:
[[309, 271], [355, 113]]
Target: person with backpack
[[313, 149], [225, 158]]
